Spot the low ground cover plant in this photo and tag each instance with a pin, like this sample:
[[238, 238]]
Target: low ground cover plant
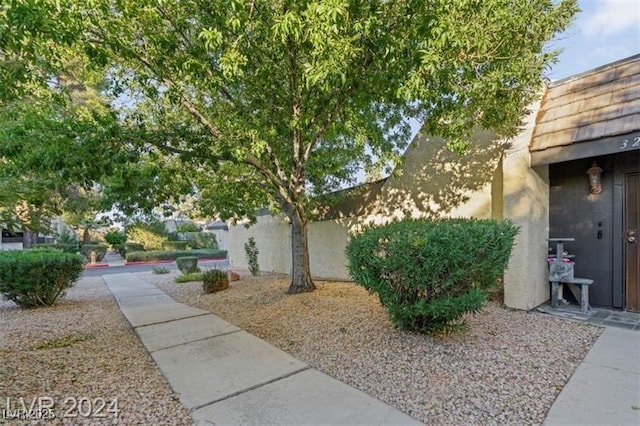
[[192, 276], [160, 270], [429, 274], [214, 280], [146, 256], [38, 277]]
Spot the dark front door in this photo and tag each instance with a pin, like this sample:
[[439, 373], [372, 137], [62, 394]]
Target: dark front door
[[631, 244]]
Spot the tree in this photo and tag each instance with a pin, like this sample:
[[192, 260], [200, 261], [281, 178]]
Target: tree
[[276, 101]]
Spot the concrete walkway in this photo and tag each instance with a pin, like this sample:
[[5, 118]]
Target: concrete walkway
[[225, 375], [605, 388]]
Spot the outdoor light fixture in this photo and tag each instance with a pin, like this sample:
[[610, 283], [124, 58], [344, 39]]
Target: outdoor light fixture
[[595, 179]]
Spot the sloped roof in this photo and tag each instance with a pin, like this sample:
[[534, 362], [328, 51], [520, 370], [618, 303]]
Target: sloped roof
[[601, 105]]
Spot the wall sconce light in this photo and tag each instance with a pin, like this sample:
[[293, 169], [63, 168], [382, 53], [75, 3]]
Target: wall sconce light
[[595, 178]]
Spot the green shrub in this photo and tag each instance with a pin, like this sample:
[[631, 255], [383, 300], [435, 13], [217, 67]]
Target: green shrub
[[45, 246], [188, 227], [134, 247], [152, 234], [428, 274], [187, 264], [174, 245], [147, 256], [251, 251], [37, 277], [99, 249], [68, 243], [125, 248], [215, 280], [199, 240], [160, 270], [193, 276], [115, 238]]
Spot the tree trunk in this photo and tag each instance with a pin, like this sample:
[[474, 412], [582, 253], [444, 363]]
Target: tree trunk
[[86, 236], [28, 238], [301, 281]]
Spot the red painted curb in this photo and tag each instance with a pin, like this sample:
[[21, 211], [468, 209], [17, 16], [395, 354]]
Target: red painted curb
[[97, 265]]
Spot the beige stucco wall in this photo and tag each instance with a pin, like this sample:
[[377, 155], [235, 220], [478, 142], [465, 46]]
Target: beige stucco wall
[[433, 182], [273, 239], [327, 242], [526, 203]]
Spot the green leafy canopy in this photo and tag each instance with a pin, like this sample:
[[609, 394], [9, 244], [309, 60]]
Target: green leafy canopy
[[273, 101]]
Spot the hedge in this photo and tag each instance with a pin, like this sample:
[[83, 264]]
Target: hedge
[[175, 245], [428, 274], [146, 256], [37, 277]]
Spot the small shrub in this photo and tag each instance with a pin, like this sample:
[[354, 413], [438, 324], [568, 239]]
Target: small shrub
[[37, 277], [174, 245], [115, 239], [187, 264], [215, 280], [428, 274], [193, 276], [147, 256], [160, 270], [251, 252], [99, 249]]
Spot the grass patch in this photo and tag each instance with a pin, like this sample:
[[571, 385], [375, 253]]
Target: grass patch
[[194, 276], [159, 270], [61, 342]]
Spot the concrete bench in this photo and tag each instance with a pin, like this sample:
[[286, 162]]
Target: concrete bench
[[582, 294]]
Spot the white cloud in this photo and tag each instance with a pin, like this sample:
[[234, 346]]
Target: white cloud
[[610, 17]]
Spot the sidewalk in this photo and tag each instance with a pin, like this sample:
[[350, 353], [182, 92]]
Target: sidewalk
[[605, 388], [225, 375]]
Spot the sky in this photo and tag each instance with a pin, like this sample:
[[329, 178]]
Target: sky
[[604, 32]]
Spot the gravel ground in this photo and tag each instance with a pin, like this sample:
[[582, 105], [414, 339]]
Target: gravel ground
[[506, 369], [82, 348]]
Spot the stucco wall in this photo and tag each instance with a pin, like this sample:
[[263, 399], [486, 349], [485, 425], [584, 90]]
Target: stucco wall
[[526, 203], [432, 182], [273, 239]]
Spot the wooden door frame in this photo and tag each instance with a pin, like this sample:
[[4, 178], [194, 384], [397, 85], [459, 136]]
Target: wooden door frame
[[626, 245]]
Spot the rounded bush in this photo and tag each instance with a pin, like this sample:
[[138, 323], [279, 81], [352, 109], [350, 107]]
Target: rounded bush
[[99, 249], [215, 280], [37, 277], [187, 264], [428, 274]]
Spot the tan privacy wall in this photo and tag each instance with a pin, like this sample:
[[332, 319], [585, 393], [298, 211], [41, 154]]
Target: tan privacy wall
[[273, 239], [491, 181], [327, 242], [431, 182]]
